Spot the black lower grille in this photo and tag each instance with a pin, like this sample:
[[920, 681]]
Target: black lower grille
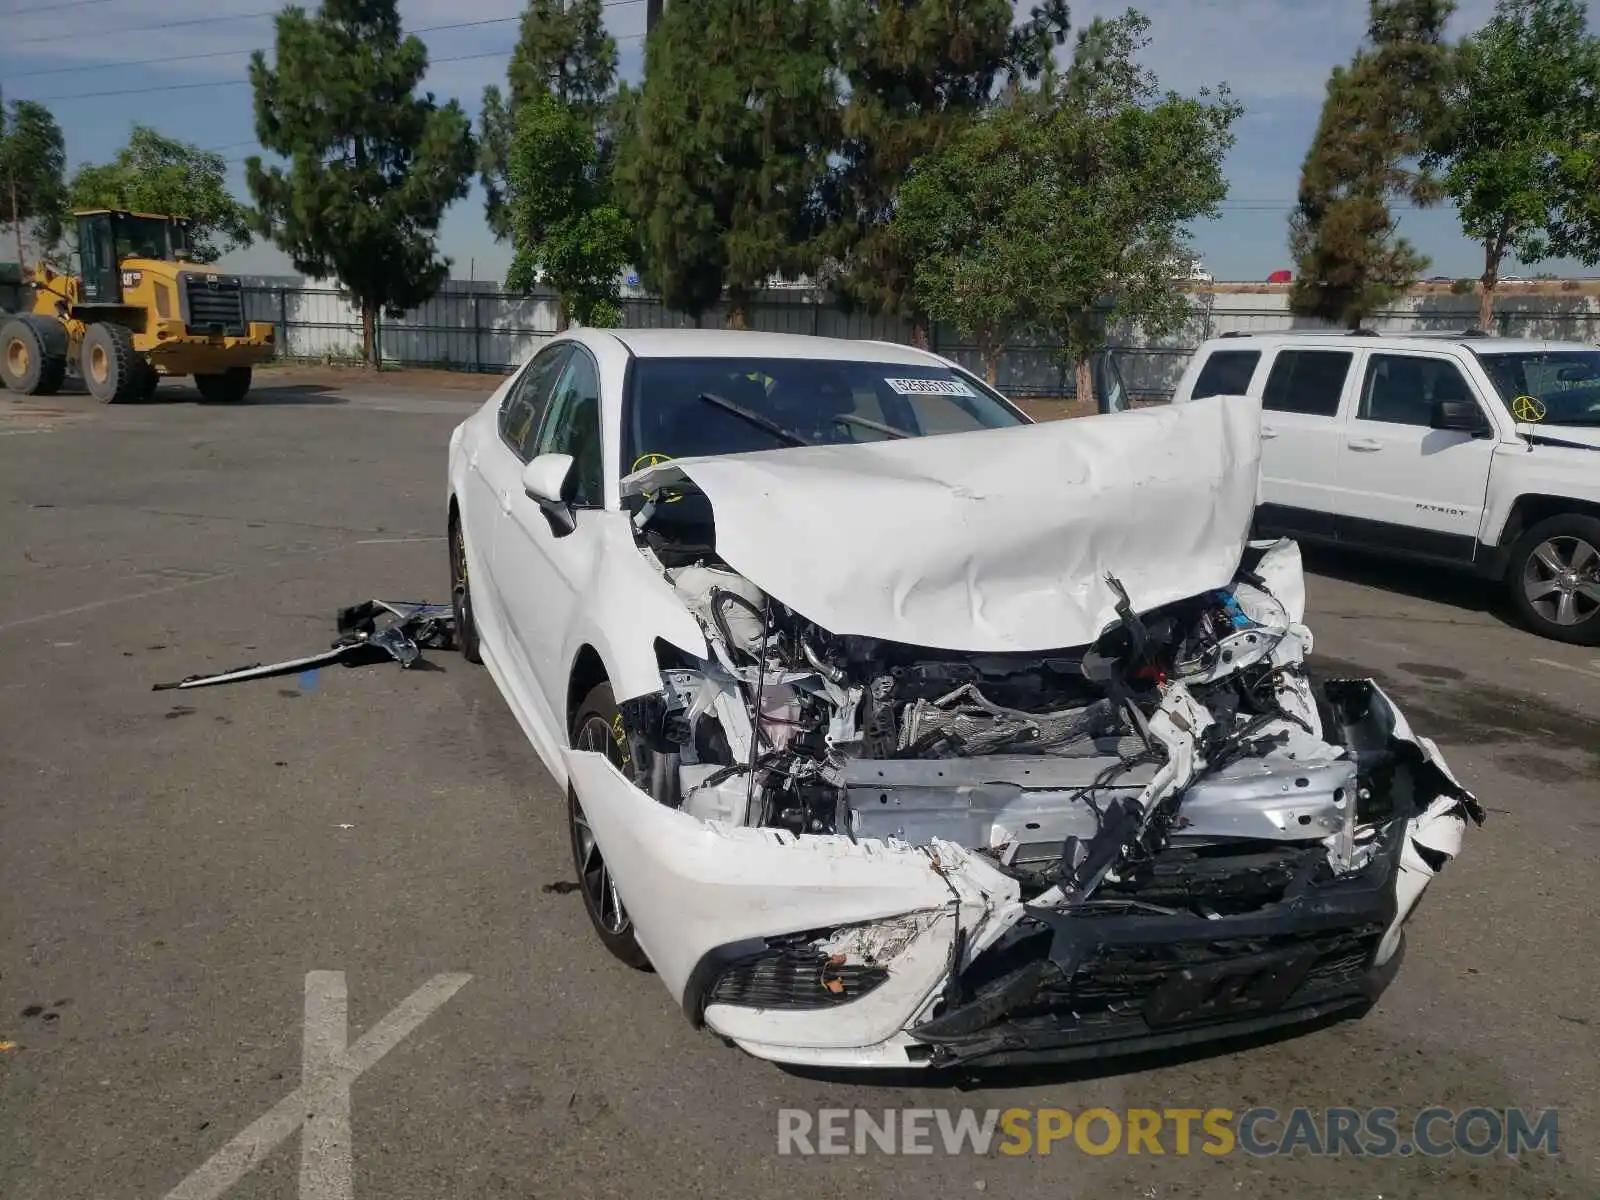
[[1122, 978], [794, 978], [215, 305]]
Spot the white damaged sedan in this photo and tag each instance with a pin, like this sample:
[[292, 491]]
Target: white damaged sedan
[[898, 730]]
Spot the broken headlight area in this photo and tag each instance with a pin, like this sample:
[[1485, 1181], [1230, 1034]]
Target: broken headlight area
[[808, 970]]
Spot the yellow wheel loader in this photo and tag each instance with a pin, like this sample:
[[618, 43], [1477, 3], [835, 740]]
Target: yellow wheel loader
[[140, 310]]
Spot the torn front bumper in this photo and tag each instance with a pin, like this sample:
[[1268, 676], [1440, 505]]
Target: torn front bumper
[[842, 952]]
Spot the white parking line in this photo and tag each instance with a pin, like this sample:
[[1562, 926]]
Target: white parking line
[[321, 1104], [1561, 666]]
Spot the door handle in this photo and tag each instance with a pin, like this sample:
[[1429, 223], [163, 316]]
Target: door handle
[[505, 503], [1268, 432], [1364, 445]]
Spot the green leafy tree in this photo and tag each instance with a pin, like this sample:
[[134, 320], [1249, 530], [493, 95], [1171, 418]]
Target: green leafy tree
[[724, 164], [1577, 233], [373, 165], [916, 71], [33, 164], [1515, 107], [560, 214], [974, 219], [1380, 115], [563, 51], [1064, 210], [159, 174]]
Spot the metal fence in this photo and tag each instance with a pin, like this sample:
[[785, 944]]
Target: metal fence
[[477, 327]]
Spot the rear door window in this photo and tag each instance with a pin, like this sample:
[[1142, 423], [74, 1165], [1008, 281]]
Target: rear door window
[[1226, 373], [1307, 381]]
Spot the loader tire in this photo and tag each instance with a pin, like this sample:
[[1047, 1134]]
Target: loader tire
[[230, 387], [112, 369], [33, 355]]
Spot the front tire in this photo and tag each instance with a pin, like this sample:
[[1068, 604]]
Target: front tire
[[599, 727], [229, 387], [112, 369], [1554, 577], [461, 596]]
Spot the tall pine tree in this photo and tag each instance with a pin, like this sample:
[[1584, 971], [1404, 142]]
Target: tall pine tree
[[372, 164], [917, 70], [562, 51], [1380, 115], [724, 162]]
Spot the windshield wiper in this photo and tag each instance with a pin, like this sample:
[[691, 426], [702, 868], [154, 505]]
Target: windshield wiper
[[787, 436], [869, 423]]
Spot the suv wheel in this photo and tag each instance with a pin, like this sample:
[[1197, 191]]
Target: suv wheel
[[599, 727], [1554, 575]]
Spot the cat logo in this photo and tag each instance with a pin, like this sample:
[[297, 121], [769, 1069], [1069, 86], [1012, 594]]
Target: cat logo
[[131, 278], [212, 281]]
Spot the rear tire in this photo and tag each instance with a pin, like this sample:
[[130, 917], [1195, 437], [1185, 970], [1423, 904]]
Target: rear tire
[[461, 596], [1554, 579], [230, 387], [33, 355], [112, 370], [599, 727]]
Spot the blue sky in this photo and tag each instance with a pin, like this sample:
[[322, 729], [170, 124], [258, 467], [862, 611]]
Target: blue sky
[[1274, 54]]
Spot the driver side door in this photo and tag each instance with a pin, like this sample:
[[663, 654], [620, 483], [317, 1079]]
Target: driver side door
[[540, 572]]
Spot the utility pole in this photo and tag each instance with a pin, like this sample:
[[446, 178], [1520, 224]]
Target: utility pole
[[652, 14]]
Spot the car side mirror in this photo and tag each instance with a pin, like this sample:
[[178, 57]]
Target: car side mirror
[[548, 481], [1462, 416]]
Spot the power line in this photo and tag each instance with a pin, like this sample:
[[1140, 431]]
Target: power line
[[22, 12], [144, 62], [213, 19], [222, 83], [114, 64]]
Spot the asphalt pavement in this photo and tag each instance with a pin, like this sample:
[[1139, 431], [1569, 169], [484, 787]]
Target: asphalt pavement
[[330, 910]]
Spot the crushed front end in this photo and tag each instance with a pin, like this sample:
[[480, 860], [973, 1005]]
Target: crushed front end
[[840, 850], [1001, 745]]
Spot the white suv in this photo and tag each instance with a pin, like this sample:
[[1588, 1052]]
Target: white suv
[[1458, 449]]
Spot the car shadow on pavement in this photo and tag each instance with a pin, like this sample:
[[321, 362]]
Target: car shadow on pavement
[[1456, 589]]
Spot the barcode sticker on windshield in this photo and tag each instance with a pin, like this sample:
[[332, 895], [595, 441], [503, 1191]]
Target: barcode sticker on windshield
[[930, 387]]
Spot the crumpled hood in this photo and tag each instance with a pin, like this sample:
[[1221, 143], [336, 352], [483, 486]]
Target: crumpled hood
[[999, 540]]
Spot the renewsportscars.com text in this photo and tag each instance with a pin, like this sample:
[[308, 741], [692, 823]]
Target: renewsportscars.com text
[[1264, 1132]]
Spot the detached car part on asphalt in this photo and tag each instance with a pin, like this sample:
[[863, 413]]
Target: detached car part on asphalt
[[372, 631], [980, 748]]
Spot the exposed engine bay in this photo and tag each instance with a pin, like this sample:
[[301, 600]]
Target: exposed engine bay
[[1066, 769]]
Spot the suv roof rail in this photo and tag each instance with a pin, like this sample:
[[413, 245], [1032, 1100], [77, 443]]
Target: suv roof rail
[[1234, 333], [1362, 333]]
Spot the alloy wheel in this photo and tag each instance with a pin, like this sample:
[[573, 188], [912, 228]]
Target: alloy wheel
[[1561, 580], [599, 888]]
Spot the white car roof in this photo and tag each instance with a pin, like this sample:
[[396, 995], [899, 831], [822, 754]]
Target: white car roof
[[1477, 343], [734, 343]]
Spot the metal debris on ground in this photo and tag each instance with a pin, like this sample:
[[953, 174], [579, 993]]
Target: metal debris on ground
[[372, 631]]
